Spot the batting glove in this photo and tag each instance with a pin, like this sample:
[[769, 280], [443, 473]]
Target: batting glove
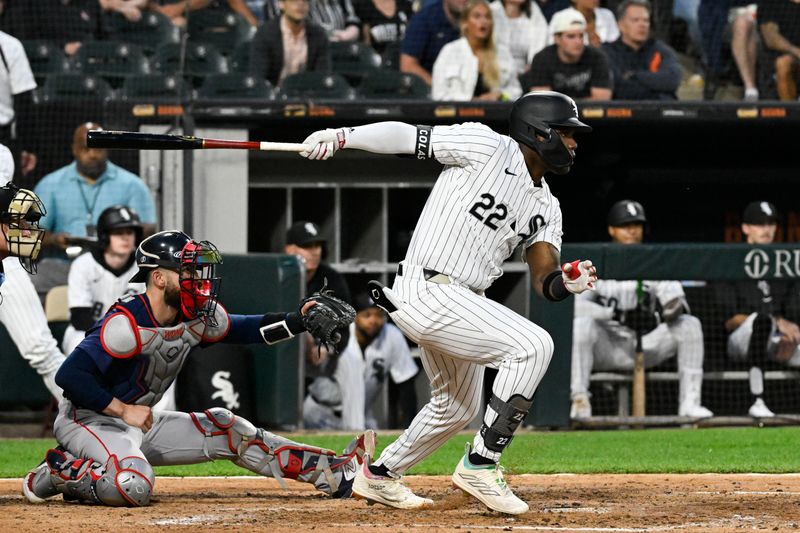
[[322, 144], [579, 276]]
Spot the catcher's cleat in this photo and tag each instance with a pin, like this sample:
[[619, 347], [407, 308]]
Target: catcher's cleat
[[486, 483], [386, 490], [37, 485]]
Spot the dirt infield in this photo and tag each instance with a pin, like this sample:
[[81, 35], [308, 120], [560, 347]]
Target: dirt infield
[[558, 503]]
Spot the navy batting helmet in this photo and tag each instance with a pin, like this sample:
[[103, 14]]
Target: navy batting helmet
[[626, 212], [117, 217], [163, 249], [538, 113]]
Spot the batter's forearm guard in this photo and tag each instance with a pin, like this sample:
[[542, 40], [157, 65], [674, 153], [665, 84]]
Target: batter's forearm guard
[[553, 287]]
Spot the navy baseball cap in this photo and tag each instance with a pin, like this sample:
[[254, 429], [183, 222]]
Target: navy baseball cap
[[760, 213], [303, 233]]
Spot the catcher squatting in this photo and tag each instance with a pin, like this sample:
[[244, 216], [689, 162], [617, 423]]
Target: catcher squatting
[[109, 439], [490, 198]]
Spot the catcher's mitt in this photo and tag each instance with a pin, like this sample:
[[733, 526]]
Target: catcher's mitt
[[330, 314]]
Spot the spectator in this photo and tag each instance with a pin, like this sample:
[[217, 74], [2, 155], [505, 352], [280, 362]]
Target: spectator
[[714, 16], [130, 9], [383, 22], [289, 44], [76, 194], [520, 26], [643, 68], [337, 18], [601, 26], [473, 68], [755, 312], [608, 320], [551, 7], [779, 22], [569, 66], [430, 29], [178, 10], [16, 101], [67, 22], [345, 397]]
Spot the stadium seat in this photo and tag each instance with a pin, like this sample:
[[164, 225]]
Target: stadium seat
[[222, 28], [201, 60], [153, 87], [235, 87], [113, 61], [71, 87], [390, 58], [56, 307], [240, 59], [353, 60], [321, 85], [45, 58], [393, 85], [150, 32]]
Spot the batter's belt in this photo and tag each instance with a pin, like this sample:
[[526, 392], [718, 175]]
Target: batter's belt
[[435, 277]]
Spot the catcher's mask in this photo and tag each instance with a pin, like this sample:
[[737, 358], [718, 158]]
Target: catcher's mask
[[542, 113], [20, 212], [199, 285]]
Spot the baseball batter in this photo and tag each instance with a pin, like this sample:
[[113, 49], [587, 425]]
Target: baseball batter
[[606, 321], [490, 198], [375, 350], [20, 308], [109, 437]]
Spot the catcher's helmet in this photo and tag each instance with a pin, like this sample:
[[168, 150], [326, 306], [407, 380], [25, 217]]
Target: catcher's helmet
[[537, 113], [626, 212], [117, 217], [20, 212], [195, 263]]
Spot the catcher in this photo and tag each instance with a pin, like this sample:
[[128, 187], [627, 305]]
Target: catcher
[[109, 437]]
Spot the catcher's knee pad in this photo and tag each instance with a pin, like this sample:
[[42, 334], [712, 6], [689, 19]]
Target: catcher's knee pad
[[510, 415], [128, 482]]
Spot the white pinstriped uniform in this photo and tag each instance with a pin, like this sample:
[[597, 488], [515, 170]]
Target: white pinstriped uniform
[[93, 285], [600, 343], [483, 205]]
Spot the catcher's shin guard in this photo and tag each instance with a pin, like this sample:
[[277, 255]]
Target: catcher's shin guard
[[235, 438], [119, 483]]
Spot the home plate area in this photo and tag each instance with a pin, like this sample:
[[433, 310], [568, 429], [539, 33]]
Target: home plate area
[[641, 502]]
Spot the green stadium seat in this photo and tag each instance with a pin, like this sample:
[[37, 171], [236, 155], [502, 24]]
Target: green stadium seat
[[45, 58], [235, 87], [201, 60], [393, 85], [240, 59], [114, 61], [160, 87], [390, 58], [321, 85], [71, 87], [222, 28], [353, 60], [149, 32]]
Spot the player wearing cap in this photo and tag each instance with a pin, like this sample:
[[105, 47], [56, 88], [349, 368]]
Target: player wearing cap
[[490, 198], [607, 320], [305, 240], [345, 396], [756, 311]]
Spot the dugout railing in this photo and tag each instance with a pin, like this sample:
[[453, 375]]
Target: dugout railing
[[698, 263]]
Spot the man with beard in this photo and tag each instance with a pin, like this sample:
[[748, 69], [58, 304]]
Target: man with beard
[[76, 194], [344, 397]]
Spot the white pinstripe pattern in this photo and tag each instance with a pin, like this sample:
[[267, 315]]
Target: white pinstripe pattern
[[22, 314]]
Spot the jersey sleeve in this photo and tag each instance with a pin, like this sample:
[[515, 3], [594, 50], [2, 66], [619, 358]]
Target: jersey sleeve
[[553, 230], [401, 365], [20, 74], [464, 145], [79, 286]]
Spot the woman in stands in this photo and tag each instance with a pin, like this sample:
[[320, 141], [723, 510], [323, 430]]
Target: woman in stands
[[473, 67], [521, 26]]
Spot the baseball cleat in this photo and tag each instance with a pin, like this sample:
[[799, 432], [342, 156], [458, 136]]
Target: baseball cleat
[[386, 490], [693, 410], [37, 485], [760, 410], [486, 483]]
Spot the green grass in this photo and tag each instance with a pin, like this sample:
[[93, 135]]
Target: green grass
[[763, 450]]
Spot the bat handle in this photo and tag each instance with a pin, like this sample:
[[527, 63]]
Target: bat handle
[[282, 147]]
